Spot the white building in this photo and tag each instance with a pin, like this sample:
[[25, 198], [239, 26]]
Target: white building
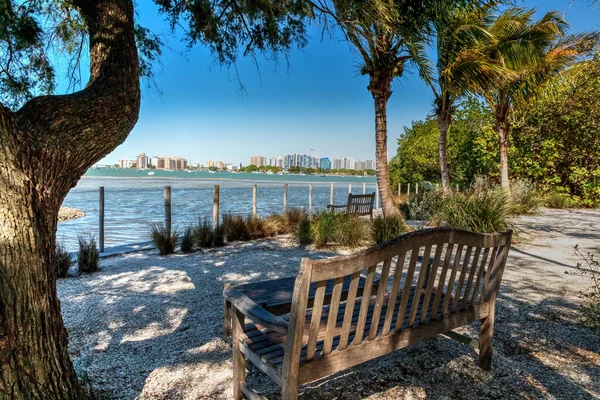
[[126, 163]]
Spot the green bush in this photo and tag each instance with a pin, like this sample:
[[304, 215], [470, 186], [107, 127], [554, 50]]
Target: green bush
[[62, 261], [482, 208], [235, 228], [88, 256], [524, 198], [327, 228], [187, 240], [204, 235], [424, 205], [294, 216], [387, 228], [164, 242], [557, 200], [303, 232]]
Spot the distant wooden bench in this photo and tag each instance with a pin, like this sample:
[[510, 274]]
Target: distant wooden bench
[[358, 204], [413, 301]]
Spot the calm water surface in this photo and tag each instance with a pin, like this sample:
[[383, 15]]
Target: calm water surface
[[134, 200]]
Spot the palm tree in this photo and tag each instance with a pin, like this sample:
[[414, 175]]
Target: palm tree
[[534, 52], [460, 68], [386, 35]]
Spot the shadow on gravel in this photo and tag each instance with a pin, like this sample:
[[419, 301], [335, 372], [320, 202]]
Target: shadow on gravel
[[163, 323]]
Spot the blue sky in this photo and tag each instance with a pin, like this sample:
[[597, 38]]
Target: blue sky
[[320, 102]]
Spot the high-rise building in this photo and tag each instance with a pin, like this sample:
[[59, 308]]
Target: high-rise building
[[338, 163], [142, 162], [259, 161], [126, 163], [370, 164], [325, 164], [349, 163]]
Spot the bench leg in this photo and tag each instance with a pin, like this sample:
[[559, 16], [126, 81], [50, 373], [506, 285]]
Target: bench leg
[[485, 341], [239, 361], [289, 389], [227, 316]]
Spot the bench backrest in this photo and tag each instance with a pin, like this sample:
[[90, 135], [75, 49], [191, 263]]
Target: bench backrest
[[361, 204], [447, 270]]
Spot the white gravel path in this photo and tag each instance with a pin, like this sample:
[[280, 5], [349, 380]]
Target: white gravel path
[[150, 327]]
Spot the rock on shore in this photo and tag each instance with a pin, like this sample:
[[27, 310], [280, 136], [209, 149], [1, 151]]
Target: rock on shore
[[66, 214]]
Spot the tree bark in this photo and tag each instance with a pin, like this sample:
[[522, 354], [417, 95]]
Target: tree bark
[[383, 177], [502, 128], [45, 147], [443, 120]]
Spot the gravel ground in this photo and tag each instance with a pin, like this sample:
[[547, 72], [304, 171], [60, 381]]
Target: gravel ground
[[150, 327]]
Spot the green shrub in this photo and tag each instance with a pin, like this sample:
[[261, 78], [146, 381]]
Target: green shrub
[[387, 228], [303, 232], [482, 208], [235, 228], [187, 240], [164, 242], [590, 267], [88, 256], [524, 198], [62, 261], [557, 200], [423, 206], [204, 236], [327, 228]]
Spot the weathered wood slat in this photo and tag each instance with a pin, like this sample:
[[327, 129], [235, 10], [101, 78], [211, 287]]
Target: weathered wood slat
[[472, 273], [480, 273], [408, 283], [461, 279], [431, 280], [424, 271], [348, 312], [362, 318], [333, 312], [394, 293], [455, 267], [385, 270], [316, 319], [442, 280]]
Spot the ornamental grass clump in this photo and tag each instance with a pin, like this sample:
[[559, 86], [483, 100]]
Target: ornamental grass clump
[[255, 227], [218, 237], [294, 216], [62, 261], [342, 229], [275, 224], [88, 256], [204, 235], [163, 241], [235, 228], [386, 228], [303, 232], [557, 200], [482, 208], [524, 198], [187, 240]]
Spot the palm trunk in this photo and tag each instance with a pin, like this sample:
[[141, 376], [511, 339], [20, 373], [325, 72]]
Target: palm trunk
[[45, 147], [502, 128], [443, 120], [383, 177]]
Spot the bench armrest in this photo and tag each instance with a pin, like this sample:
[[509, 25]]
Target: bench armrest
[[246, 306], [336, 206]]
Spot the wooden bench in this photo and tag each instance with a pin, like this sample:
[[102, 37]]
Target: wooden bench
[[414, 300], [358, 204]]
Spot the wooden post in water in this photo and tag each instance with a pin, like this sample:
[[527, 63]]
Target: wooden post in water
[[168, 210], [216, 208], [101, 220], [285, 195], [349, 188], [254, 191], [364, 188], [399, 189], [417, 188], [310, 198], [331, 194], [408, 190]]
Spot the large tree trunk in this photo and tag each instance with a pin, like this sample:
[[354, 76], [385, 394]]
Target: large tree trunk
[[502, 128], [443, 120], [383, 177], [45, 147]]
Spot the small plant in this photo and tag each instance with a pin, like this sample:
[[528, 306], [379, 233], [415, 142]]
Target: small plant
[[342, 229], [524, 198], [424, 205], [88, 256], [557, 200], [294, 216], [62, 261], [590, 308], [187, 240], [275, 224], [482, 208], [235, 228], [387, 228], [303, 232], [255, 227], [164, 242], [204, 235]]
